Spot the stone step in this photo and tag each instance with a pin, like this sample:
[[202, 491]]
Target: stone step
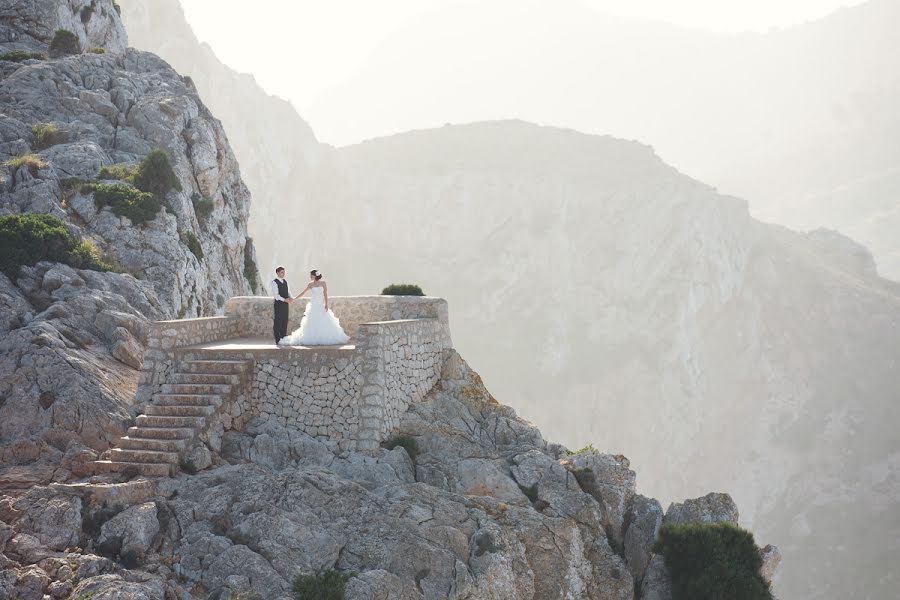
[[138, 443], [167, 421], [142, 456], [213, 367], [145, 469], [187, 400], [179, 410], [206, 378], [196, 388], [161, 433]]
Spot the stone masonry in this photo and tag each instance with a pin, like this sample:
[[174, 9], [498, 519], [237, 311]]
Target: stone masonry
[[353, 395]]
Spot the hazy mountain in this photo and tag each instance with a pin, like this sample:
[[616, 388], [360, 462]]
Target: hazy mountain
[[614, 300], [801, 121]]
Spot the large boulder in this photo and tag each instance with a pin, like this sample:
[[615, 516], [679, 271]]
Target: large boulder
[[711, 508], [609, 479], [132, 530]]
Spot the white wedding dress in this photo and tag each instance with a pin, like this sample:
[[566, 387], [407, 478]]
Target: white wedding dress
[[318, 326]]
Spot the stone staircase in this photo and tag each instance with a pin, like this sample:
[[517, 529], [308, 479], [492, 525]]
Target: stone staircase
[[176, 416]]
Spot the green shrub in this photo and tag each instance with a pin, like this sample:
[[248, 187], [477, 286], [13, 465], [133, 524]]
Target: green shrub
[[193, 245], [155, 175], [251, 273], [64, 43], [124, 201], [86, 255], [97, 50], [329, 585], [711, 562], [405, 441], [402, 289], [29, 238], [32, 162], [122, 172], [22, 55], [585, 450], [203, 207], [47, 134]]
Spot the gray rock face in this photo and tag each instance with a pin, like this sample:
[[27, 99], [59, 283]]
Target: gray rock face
[[71, 340], [134, 528], [657, 584], [643, 521], [711, 508], [30, 24], [771, 560]]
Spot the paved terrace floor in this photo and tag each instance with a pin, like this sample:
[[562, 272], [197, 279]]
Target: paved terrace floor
[[262, 346]]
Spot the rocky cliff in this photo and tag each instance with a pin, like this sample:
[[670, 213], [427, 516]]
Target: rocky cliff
[[72, 339]]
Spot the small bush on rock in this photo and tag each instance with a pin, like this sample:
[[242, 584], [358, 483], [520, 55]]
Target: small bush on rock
[[22, 55], [97, 50], [251, 273], [329, 585], [405, 441], [32, 162], [124, 201], [86, 255], [122, 172], [585, 450], [65, 43], [155, 175], [203, 207], [47, 134], [402, 289], [712, 561], [193, 245]]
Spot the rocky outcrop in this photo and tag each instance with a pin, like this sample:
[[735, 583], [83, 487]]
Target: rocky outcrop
[[72, 339], [30, 25]]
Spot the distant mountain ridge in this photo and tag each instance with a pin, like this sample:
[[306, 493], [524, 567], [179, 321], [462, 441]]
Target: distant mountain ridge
[[615, 300]]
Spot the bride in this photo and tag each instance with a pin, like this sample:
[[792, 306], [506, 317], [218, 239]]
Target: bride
[[319, 326]]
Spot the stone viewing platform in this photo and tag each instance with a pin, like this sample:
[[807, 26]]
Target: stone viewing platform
[[202, 377]]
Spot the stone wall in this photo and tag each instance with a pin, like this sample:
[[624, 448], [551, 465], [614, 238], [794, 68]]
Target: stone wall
[[318, 394], [401, 363], [165, 336], [256, 311]]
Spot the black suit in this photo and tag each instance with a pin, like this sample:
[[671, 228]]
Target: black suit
[[281, 311]]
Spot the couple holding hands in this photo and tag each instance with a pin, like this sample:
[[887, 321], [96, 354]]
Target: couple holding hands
[[319, 326]]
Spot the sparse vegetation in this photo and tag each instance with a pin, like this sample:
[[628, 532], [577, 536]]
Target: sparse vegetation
[[402, 289], [585, 450], [712, 561], [203, 207], [22, 55], [97, 50], [47, 134], [193, 245], [27, 239], [65, 43], [329, 585], [155, 175], [121, 172], [405, 441], [124, 201], [251, 273], [32, 162]]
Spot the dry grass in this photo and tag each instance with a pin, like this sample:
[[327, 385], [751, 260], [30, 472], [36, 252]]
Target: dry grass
[[32, 161]]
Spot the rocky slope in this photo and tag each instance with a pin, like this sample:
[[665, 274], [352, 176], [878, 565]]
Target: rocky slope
[[484, 509], [614, 300], [72, 339], [275, 147]]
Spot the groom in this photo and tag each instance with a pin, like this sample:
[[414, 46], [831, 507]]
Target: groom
[[282, 298]]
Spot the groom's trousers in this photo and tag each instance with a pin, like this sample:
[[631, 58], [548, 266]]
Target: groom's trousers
[[281, 320]]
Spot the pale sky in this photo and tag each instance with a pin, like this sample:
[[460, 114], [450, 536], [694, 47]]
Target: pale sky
[[298, 49]]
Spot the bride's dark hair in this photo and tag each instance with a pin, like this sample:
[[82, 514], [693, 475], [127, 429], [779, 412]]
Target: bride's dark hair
[[315, 273]]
